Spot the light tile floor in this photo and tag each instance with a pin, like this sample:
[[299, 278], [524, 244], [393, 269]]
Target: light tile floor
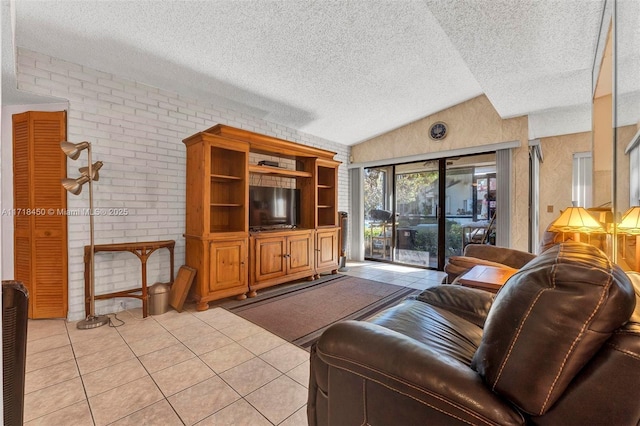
[[204, 368]]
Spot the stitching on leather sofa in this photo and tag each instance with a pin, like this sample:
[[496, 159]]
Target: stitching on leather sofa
[[624, 352], [434, 395], [516, 336], [603, 293], [573, 344]]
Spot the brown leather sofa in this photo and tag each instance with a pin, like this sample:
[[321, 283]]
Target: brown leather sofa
[[482, 254], [558, 345]]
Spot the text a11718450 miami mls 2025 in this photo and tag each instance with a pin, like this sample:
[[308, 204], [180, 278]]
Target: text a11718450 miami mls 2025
[[120, 211]]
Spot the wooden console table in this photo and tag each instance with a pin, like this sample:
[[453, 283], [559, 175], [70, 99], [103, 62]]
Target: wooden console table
[[142, 250], [487, 278]]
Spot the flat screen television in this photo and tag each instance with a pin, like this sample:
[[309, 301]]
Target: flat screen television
[[273, 208]]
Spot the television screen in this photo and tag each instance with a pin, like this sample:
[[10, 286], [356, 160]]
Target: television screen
[[271, 208]]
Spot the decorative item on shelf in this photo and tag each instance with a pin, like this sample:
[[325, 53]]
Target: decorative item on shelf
[[74, 186], [576, 220]]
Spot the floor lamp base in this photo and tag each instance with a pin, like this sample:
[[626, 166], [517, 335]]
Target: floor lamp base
[[93, 322]]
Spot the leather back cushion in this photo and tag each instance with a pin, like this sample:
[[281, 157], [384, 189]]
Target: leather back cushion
[[548, 320]]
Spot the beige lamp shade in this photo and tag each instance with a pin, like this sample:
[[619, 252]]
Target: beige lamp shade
[[72, 150], [94, 170], [576, 219], [630, 223], [74, 186]]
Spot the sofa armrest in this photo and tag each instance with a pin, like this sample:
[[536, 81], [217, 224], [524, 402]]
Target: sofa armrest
[[505, 256], [458, 265], [469, 303], [403, 373]]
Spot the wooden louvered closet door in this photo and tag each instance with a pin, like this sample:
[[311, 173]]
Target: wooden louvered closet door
[[40, 227]]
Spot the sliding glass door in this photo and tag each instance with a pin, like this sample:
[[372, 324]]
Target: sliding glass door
[[470, 202], [378, 213], [421, 213], [417, 195]]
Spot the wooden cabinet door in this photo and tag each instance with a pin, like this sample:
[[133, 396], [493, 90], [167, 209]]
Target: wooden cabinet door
[[300, 253], [227, 265], [270, 260], [40, 224], [327, 250]]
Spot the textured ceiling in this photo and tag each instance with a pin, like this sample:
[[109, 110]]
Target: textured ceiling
[[527, 55], [344, 71]]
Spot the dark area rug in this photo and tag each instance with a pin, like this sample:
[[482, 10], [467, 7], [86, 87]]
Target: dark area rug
[[299, 313]]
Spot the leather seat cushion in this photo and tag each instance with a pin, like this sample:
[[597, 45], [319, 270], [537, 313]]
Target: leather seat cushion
[[444, 332], [548, 320]]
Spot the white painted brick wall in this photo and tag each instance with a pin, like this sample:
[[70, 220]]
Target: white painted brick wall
[[137, 131]]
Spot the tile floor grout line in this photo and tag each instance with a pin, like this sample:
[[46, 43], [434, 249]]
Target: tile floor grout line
[[84, 388], [154, 382], [170, 328], [166, 398]]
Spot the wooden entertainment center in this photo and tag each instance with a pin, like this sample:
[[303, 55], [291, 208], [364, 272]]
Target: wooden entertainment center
[[230, 258]]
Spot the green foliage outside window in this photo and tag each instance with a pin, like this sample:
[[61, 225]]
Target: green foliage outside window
[[427, 239]]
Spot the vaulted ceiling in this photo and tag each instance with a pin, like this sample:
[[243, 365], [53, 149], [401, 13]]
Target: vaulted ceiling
[[344, 71]]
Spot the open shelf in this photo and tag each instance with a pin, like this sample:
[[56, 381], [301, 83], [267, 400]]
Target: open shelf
[[222, 178], [326, 194], [227, 218], [276, 171], [326, 216]]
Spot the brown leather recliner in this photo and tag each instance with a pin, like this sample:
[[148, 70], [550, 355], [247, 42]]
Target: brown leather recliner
[[482, 254], [559, 344]]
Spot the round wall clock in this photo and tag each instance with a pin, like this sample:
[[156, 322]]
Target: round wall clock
[[438, 131]]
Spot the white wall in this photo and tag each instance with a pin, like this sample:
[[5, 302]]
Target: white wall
[[137, 131]]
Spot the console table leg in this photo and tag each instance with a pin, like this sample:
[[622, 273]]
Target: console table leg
[[145, 296]]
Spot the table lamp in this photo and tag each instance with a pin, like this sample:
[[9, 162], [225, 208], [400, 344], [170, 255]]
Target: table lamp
[[577, 220], [630, 225]]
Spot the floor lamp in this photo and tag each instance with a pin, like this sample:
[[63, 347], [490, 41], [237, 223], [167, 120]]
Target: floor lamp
[[74, 186]]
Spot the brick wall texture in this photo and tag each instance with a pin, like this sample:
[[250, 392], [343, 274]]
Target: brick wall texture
[[137, 131]]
